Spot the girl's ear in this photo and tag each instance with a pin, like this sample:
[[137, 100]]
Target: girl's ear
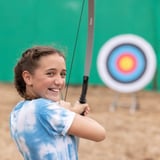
[[27, 77]]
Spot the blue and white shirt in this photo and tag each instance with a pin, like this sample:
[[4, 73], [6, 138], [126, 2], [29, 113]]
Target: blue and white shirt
[[39, 127]]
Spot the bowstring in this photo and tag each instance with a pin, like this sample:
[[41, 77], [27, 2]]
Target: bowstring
[[74, 49]]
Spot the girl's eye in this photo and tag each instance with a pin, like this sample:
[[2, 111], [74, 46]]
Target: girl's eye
[[63, 74], [51, 74]]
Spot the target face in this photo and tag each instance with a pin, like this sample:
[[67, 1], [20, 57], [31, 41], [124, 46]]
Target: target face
[[126, 63]]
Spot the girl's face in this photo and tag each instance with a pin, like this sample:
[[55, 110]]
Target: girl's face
[[49, 78]]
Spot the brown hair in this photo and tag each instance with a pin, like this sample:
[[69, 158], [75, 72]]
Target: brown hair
[[29, 62]]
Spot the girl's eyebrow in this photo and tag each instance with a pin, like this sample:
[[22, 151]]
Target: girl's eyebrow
[[53, 69], [50, 69]]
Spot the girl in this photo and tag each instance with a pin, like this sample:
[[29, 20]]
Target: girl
[[43, 126]]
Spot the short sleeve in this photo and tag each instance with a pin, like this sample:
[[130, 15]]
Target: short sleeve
[[56, 119]]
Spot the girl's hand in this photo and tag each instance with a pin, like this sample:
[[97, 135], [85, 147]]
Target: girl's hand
[[82, 109], [78, 108]]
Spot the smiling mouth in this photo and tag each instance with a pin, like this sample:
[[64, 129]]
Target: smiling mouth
[[54, 90]]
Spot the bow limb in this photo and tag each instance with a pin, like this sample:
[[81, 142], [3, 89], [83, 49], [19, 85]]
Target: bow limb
[[89, 51]]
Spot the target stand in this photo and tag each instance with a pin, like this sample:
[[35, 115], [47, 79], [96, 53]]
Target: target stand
[[134, 103], [126, 64]]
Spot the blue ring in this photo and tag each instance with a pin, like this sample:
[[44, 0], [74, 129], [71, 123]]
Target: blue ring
[[120, 50]]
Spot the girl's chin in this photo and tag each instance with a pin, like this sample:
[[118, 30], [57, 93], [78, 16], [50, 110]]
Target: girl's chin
[[55, 99]]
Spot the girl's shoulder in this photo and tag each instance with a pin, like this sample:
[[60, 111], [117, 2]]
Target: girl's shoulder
[[39, 104], [43, 105], [42, 102]]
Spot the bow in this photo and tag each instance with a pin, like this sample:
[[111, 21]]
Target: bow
[[88, 51]]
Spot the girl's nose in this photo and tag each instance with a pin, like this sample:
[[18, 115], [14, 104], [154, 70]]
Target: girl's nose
[[59, 80]]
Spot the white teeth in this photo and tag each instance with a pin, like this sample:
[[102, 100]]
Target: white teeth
[[54, 90]]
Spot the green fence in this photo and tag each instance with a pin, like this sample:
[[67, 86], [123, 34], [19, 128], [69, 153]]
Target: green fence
[[32, 22]]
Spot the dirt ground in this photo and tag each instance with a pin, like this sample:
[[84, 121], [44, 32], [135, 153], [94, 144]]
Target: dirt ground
[[130, 136]]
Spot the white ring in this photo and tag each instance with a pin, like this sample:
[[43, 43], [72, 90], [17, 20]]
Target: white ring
[[141, 82]]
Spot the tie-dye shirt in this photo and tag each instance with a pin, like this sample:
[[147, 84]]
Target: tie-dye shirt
[[39, 127]]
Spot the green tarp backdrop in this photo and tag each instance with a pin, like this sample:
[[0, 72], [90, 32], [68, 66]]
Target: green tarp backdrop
[[55, 22]]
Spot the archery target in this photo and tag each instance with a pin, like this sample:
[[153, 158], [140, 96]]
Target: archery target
[[126, 63]]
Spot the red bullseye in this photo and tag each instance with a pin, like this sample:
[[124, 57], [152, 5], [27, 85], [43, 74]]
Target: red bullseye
[[126, 63]]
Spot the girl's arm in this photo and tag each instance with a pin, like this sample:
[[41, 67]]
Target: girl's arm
[[82, 126], [85, 127]]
